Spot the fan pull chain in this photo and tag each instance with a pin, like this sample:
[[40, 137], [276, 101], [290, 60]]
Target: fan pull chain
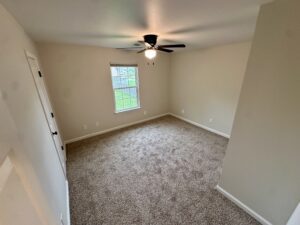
[[153, 63]]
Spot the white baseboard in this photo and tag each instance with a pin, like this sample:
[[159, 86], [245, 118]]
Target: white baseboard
[[145, 120], [68, 204], [201, 126], [114, 128], [248, 210]]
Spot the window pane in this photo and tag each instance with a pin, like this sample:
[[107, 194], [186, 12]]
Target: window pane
[[131, 81], [125, 85], [124, 81], [133, 92], [121, 79], [127, 102], [134, 102], [119, 105], [118, 94], [131, 71]]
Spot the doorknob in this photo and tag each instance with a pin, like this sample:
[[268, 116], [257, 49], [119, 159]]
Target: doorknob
[[54, 133]]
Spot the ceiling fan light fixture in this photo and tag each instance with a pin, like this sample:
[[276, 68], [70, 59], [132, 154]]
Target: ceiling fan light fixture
[[150, 53]]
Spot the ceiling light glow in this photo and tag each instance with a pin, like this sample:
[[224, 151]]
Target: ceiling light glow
[[150, 53]]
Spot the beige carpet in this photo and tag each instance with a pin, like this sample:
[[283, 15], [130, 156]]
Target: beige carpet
[[161, 172]]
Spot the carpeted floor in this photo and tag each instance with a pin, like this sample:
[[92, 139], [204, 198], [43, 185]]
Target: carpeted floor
[[161, 172]]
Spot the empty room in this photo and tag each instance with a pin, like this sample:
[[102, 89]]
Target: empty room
[[149, 112]]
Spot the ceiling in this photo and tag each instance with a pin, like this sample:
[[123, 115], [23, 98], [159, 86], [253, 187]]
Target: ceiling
[[121, 23]]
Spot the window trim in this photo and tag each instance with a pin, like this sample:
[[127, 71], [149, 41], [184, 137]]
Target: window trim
[[137, 87]]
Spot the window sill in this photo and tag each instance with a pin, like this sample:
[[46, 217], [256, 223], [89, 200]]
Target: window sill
[[128, 110]]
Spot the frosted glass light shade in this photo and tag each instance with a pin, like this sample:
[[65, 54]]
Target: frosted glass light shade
[[150, 53]]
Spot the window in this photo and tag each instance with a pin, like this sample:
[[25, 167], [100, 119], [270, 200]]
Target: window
[[125, 86]]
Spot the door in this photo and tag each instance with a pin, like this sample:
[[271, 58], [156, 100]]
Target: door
[[43, 95]]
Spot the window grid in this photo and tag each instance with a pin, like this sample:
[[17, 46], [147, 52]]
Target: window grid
[[125, 86]]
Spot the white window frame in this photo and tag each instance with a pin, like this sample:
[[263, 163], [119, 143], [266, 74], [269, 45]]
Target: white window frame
[[137, 87]]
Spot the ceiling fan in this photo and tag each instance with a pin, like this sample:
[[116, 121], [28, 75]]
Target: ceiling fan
[[151, 47]]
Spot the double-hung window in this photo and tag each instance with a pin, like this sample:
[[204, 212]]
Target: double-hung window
[[125, 87]]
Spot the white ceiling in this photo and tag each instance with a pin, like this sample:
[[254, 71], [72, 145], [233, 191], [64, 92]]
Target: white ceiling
[[121, 23]]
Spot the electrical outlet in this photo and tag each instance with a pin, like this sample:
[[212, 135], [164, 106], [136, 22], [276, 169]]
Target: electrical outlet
[[182, 111], [84, 126], [97, 124], [210, 120], [145, 112]]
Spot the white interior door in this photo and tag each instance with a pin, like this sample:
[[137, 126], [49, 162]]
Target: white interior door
[[42, 91]]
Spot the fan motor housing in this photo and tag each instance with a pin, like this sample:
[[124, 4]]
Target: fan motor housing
[[151, 39]]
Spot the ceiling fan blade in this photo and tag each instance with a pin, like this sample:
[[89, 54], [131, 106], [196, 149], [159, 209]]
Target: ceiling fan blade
[[173, 46], [141, 51], [164, 49], [145, 43]]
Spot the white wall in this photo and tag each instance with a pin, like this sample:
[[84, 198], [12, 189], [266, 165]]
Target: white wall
[[262, 163], [79, 83], [24, 132], [206, 84]]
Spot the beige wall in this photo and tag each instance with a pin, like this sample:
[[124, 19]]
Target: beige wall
[[262, 167], [206, 84], [15, 204], [24, 132], [79, 83]]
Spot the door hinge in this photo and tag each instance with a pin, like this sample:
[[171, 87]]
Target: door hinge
[[62, 148], [52, 115], [40, 74]]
